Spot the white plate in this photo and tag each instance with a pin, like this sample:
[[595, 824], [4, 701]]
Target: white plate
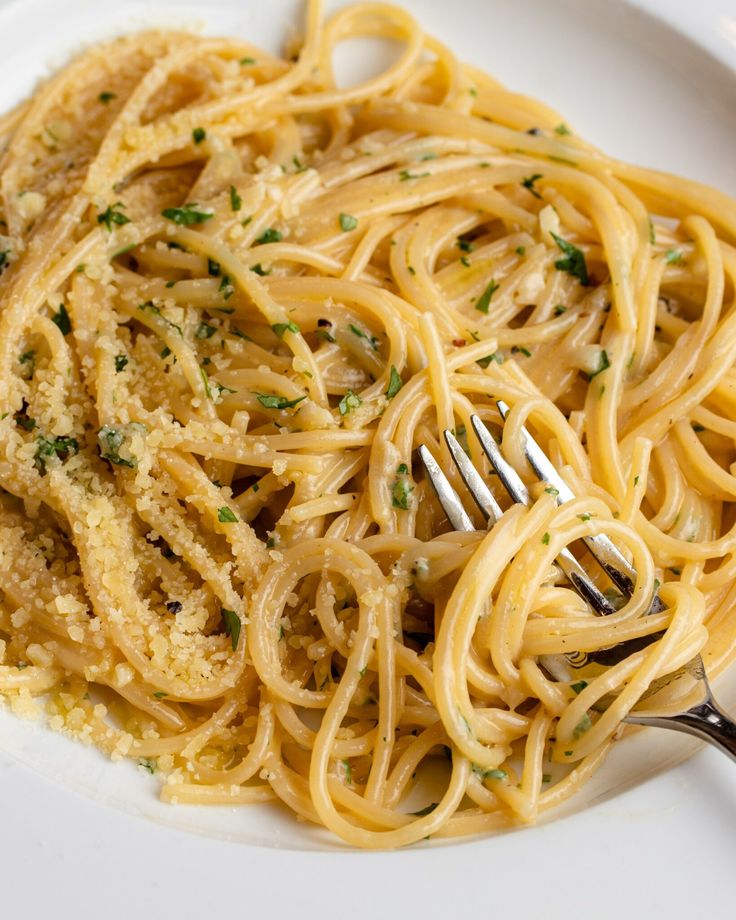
[[640, 89]]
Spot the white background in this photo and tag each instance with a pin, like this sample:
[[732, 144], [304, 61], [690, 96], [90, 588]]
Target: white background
[[665, 848]]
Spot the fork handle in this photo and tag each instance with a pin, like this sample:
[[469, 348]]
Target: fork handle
[[706, 720]]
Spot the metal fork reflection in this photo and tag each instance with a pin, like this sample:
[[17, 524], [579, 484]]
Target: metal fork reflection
[[703, 718]]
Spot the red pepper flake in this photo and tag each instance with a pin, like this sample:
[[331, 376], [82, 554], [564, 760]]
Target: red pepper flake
[[458, 343]]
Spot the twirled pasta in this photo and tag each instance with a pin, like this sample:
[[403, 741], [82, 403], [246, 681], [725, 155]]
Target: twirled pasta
[[235, 298]]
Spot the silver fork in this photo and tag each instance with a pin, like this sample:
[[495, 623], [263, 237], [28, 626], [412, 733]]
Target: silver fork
[[704, 718]]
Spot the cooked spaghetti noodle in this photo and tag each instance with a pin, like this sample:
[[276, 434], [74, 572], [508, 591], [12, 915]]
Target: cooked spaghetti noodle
[[235, 298]]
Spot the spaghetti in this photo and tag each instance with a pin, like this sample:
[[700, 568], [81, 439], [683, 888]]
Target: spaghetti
[[235, 298]]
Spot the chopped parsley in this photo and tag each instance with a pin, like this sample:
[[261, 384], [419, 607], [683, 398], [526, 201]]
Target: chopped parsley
[[111, 440], [259, 270], [159, 694], [205, 331], [528, 184], [61, 447], [545, 539], [121, 362], [4, 253], [232, 626], [519, 349], [484, 301], [269, 401], [582, 727], [579, 686], [348, 222], [401, 489], [489, 773], [247, 60], [349, 402], [559, 310], [562, 129], [574, 261], [652, 232], [61, 319], [603, 364], [371, 339], [271, 235], [465, 245], [281, 328], [672, 256], [236, 202], [226, 516], [187, 216], [148, 764], [406, 174], [520, 250], [107, 97], [198, 135], [395, 383], [484, 362], [113, 215]]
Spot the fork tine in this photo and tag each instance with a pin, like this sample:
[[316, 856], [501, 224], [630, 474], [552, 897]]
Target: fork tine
[[510, 479], [539, 461], [448, 497], [489, 507], [513, 484], [604, 551]]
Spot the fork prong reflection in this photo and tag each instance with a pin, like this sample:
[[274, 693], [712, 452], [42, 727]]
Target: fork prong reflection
[[484, 499], [448, 497]]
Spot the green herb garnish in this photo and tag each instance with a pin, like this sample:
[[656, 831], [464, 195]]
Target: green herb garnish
[[187, 216], [62, 320], [484, 300], [269, 401], [113, 215], [603, 364], [111, 440], [574, 261], [271, 235], [349, 402], [226, 516], [528, 184], [348, 222], [395, 383], [232, 626], [281, 328]]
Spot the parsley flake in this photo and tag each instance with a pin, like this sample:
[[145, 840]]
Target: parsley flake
[[232, 626], [187, 216], [484, 301], [574, 262], [349, 402], [395, 383], [61, 319], [271, 235], [113, 215], [348, 222], [269, 401]]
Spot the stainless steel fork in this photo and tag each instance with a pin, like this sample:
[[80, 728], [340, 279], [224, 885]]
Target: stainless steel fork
[[704, 718]]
